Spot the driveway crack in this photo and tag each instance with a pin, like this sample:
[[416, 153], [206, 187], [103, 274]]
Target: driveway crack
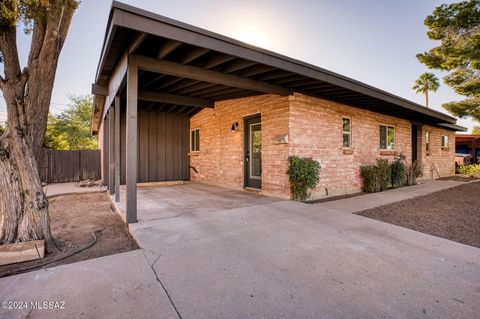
[[161, 283]]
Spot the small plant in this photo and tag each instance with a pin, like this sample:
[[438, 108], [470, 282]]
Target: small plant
[[376, 178], [304, 175], [397, 169], [469, 169], [369, 177], [383, 174]]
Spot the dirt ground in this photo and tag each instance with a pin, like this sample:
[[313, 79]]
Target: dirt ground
[[453, 214], [74, 219]]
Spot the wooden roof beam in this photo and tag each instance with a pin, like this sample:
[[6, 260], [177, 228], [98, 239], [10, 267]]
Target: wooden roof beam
[[137, 42], [186, 71], [168, 47], [173, 99]]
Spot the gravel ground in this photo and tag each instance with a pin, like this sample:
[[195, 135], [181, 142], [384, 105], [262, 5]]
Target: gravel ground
[[73, 220], [453, 214]]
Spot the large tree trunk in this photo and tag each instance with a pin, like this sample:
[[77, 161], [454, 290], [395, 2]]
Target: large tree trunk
[[23, 204]]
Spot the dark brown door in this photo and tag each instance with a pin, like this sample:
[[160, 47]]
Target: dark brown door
[[253, 152], [414, 142]]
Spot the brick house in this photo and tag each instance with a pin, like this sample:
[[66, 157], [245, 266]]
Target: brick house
[[175, 102]]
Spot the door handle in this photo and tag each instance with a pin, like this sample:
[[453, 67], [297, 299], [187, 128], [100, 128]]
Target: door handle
[[247, 158]]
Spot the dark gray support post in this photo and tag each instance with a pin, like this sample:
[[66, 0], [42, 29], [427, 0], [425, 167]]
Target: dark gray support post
[[132, 143], [111, 155], [105, 151], [117, 148]]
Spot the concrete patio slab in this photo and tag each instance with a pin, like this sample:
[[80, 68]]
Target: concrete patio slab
[[117, 286], [283, 259]]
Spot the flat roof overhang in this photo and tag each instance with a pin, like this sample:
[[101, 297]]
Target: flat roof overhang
[[184, 66]]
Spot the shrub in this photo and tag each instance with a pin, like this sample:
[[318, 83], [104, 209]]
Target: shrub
[[376, 178], [383, 174], [304, 174], [369, 177], [397, 169], [469, 169]]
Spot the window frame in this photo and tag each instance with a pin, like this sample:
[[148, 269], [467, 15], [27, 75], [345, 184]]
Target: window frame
[[195, 140], [444, 141], [387, 126], [349, 133]]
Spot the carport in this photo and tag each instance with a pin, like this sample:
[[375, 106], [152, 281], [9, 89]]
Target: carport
[[155, 73]]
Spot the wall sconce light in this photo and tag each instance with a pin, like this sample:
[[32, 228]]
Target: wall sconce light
[[234, 127]]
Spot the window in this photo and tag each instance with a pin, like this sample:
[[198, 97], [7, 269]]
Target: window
[[387, 137], [445, 141], [195, 141], [427, 143], [347, 132]]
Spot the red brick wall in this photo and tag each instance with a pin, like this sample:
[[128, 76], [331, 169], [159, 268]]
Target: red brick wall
[[441, 159], [220, 159], [316, 131], [314, 128]]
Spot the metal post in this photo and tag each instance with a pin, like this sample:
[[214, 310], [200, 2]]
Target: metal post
[[132, 143], [117, 149]]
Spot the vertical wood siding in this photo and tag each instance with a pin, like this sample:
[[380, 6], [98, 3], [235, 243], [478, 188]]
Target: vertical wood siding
[[163, 146]]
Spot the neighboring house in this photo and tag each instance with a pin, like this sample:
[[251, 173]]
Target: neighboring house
[[468, 144], [195, 105]]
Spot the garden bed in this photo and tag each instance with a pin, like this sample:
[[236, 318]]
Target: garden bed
[[453, 214], [74, 219]]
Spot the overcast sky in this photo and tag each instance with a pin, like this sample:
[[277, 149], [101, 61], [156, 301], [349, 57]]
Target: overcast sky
[[373, 41]]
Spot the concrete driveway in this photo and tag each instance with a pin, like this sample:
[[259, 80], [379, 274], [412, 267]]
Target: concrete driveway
[[281, 259], [210, 252]]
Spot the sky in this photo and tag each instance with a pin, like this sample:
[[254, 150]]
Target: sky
[[372, 41]]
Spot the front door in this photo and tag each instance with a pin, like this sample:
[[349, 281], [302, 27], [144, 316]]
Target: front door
[[253, 152], [414, 142]]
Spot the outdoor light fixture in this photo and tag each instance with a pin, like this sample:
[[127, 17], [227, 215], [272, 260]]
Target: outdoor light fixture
[[234, 127]]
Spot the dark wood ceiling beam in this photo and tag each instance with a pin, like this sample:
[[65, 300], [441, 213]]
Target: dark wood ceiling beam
[[154, 80], [137, 42], [186, 71], [169, 82], [193, 54], [273, 75], [205, 89], [237, 65], [167, 47], [218, 91], [289, 79], [173, 99], [185, 83], [303, 83], [255, 70], [216, 60], [183, 108], [195, 87]]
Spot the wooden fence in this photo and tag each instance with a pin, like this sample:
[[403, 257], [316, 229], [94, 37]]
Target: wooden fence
[[70, 166]]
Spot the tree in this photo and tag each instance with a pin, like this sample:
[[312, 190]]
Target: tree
[[457, 27], [476, 130], [2, 129], [27, 93], [426, 82], [71, 129]]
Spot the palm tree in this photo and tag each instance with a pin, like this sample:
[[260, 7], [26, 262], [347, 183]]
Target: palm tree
[[426, 82]]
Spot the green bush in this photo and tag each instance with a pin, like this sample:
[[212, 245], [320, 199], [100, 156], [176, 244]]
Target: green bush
[[397, 169], [469, 169], [383, 174], [369, 177], [376, 178], [304, 174]]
